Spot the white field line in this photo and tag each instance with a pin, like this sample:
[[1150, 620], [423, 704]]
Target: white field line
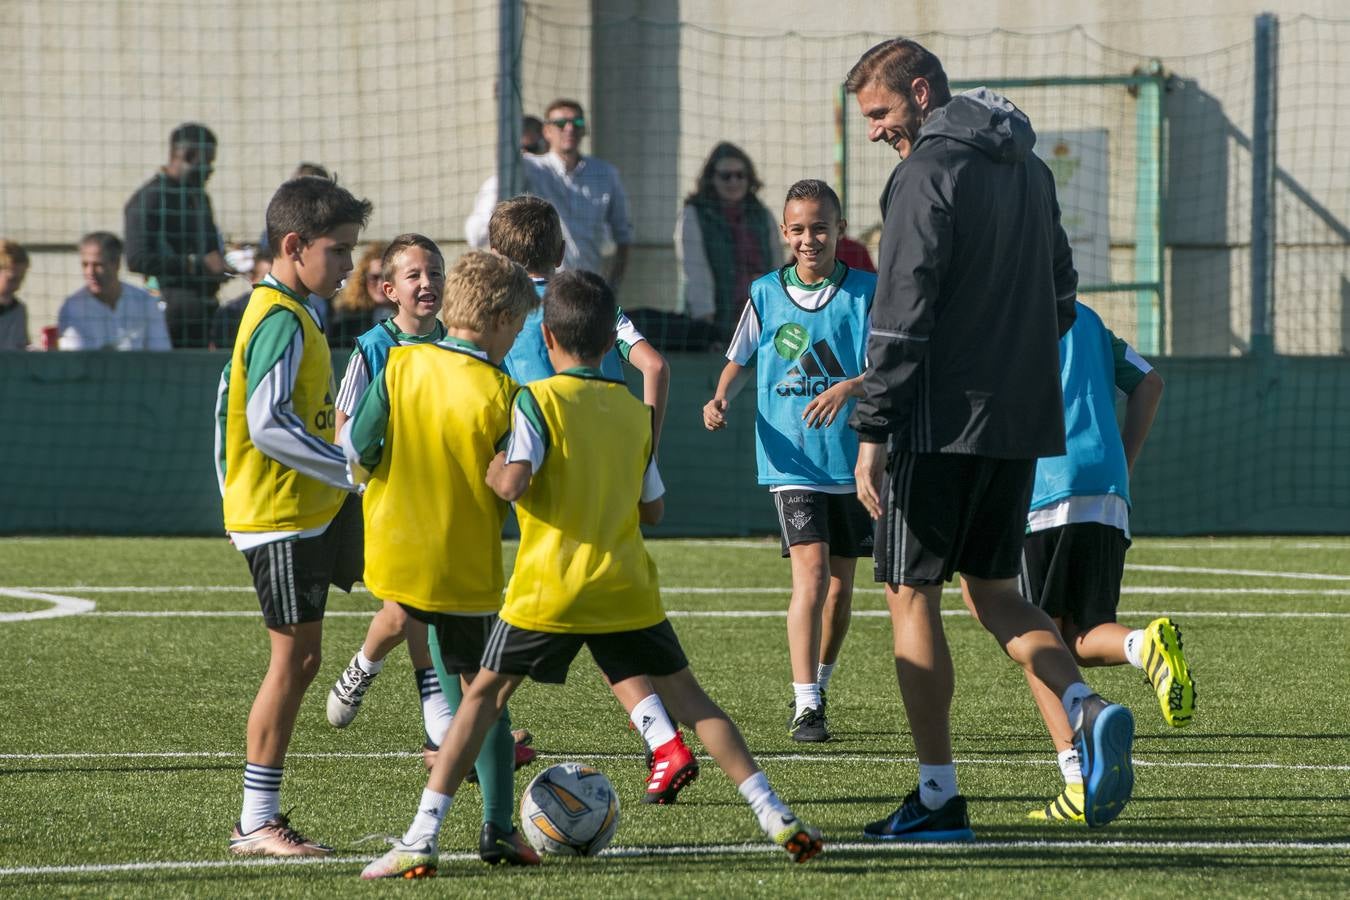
[[783, 591], [758, 849], [764, 757], [1238, 573], [724, 614], [60, 605]]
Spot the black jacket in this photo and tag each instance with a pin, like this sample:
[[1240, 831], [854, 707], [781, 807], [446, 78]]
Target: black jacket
[[975, 286], [169, 228]]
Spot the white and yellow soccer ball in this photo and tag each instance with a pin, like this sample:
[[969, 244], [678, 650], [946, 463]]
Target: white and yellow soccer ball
[[569, 810]]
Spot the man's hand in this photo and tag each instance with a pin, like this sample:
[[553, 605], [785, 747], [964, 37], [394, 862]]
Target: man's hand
[[214, 264], [714, 413], [824, 408], [869, 474]]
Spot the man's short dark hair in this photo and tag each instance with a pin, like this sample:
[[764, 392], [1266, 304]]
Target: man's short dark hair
[[580, 309], [109, 244], [560, 103], [527, 230], [894, 64], [814, 189], [191, 134], [312, 207]]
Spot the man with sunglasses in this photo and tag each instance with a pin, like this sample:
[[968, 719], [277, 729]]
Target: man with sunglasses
[[586, 192]]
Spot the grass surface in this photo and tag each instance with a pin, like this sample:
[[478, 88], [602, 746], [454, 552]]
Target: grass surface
[[121, 748]]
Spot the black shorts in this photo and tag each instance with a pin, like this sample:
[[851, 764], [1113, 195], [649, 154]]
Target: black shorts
[[839, 520], [292, 576], [949, 513], [459, 639], [1073, 572], [545, 656]]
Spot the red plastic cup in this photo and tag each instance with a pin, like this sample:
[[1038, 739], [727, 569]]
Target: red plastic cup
[[51, 336]]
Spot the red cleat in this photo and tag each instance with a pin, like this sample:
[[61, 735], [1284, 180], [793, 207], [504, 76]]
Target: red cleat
[[673, 768]]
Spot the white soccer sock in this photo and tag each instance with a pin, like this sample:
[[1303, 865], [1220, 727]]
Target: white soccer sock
[[807, 696], [650, 719], [937, 784], [1134, 648], [436, 715], [430, 814], [369, 666], [824, 671], [1070, 767], [768, 808], [262, 796], [1073, 698]]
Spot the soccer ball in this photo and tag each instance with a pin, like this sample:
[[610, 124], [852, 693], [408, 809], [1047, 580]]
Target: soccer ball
[[569, 810]]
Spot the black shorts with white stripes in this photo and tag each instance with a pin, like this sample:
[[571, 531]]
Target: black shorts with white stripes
[[838, 520], [546, 656], [1073, 572], [292, 576], [949, 513]]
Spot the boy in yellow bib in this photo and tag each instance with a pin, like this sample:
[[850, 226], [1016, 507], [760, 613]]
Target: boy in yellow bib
[[422, 437], [288, 503], [580, 469]]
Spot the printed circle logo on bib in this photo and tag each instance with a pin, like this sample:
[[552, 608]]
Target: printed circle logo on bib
[[791, 341]]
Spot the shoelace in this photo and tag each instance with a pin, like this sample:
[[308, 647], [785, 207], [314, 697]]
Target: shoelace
[[355, 682], [285, 831]]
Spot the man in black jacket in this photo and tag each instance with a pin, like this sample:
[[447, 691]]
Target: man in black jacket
[[976, 285], [171, 234]]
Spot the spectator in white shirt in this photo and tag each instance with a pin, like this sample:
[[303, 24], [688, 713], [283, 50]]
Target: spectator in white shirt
[[586, 192], [108, 314]]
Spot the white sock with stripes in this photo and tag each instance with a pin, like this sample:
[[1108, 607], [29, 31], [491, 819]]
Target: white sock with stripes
[[1134, 648], [262, 796], [436, 714]]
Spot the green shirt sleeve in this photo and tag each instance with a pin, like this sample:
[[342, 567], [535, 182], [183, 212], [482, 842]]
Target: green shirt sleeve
[[370, 422], [527, 406], [268, 344], [1127, 371]]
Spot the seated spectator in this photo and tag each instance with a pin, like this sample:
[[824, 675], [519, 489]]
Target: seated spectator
[[361, 304], [108, 314], [13, 314], [225, 323], [725, 238]]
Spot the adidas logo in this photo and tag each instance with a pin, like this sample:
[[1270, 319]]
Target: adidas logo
[[815, 372]]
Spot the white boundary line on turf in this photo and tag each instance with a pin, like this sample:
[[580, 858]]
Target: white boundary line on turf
[[60, 605], [764, 757], [850, 847], [727, 614]]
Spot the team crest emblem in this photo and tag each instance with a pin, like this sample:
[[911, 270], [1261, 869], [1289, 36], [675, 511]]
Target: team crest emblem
[[799, 519]]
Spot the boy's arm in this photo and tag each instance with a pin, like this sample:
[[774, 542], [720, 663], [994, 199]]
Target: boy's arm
[[1140, 409], [362, 440], [744, 345], [1143, 388], [222, 415], [510, 471], [652, 502], [655, 382], [824, 408], [272, 358], [729, 384], [355, 380]]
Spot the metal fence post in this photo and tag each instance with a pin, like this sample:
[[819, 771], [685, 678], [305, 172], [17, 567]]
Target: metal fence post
[[509, 37], [1265, 74], [1148, 210]]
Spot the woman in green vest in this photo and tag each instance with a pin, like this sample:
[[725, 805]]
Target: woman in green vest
[[725, 239]]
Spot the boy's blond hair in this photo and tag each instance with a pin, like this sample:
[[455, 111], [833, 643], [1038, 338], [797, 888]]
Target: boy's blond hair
[[482, 288], [12, 255], [527, 230]]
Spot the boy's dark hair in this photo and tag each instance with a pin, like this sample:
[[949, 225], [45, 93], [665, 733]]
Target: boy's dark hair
[[895, 64], [312, 207], [815, 189], [389, 261], [579, 308], [311, 168], [109, 245], [191, 133], [527, 230]]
